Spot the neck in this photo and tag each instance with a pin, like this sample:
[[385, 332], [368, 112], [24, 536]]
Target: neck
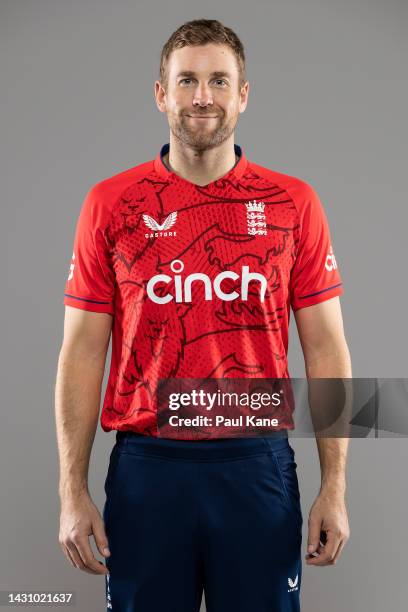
[[200, 167]]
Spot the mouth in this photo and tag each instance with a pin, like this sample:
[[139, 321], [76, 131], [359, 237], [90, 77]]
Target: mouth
[[201, 117]]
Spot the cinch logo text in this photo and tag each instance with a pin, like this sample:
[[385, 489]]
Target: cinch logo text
[[183, 288]]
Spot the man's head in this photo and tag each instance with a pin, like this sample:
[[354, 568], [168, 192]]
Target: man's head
[[202, 86]]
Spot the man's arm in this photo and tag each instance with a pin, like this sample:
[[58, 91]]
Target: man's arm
[[79, 378], [326, 355]]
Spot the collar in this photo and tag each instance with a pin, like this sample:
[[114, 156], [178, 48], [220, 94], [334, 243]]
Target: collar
[[237, 170]]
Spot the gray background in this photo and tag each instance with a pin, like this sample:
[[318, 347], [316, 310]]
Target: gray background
[[328, 91]]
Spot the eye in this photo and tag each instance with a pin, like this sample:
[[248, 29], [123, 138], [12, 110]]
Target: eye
[[184, 80], [221, 81]]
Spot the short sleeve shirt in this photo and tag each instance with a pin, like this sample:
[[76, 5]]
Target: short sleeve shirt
[[199, 280]]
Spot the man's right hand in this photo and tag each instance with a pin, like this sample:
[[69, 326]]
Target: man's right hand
[[79, 519]]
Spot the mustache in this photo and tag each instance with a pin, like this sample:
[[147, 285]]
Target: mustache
[[205, 114]]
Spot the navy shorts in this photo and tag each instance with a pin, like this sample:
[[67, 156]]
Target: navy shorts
[[220, 516]]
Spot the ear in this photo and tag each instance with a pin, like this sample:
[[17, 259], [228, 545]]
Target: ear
[[243, 97], [160, 96]]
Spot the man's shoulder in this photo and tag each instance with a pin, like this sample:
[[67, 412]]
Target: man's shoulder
[[301, 191], [103, 196], [121, 180]]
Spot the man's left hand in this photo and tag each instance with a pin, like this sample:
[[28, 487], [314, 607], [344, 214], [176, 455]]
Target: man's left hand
[[328, 515]]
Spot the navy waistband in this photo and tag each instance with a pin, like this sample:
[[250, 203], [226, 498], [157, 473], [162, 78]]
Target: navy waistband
[[214, 449]]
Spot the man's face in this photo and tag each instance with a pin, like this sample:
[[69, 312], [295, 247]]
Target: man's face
[[203, 97]]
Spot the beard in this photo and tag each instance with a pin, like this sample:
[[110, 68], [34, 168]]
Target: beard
[[201, 138]]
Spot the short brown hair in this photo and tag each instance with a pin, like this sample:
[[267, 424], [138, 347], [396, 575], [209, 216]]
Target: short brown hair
[[202, 32]]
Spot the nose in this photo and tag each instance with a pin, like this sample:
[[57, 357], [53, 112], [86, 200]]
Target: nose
[[202, 95]]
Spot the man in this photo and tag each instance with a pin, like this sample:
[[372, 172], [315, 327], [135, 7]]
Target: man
[[192, 261]]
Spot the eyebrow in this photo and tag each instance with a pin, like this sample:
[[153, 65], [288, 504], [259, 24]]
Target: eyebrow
[[216, 73]]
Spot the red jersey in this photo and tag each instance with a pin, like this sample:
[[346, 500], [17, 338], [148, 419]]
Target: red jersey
[[199, 280]]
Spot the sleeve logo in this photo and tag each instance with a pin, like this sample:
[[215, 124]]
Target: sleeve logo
[[331, 263], [71, 267]]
